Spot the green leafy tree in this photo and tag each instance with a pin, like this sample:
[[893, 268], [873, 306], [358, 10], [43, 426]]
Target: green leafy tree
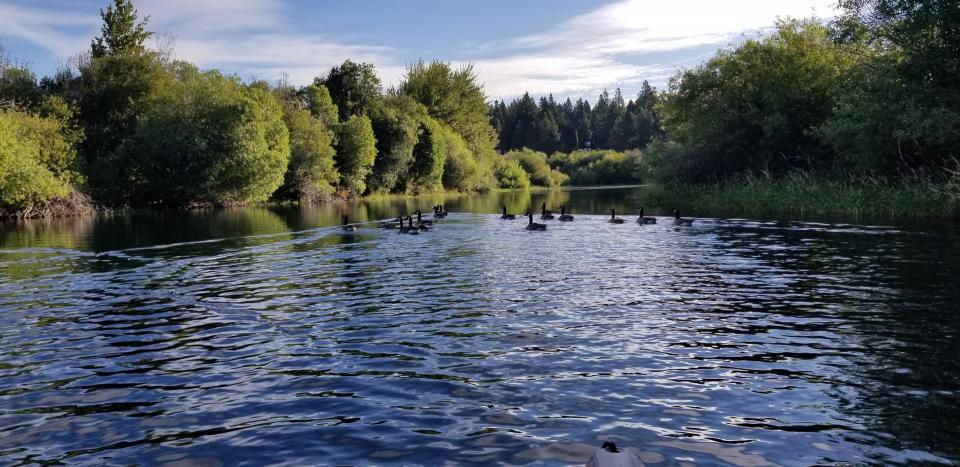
[[453, 97], [901, 110], [209, 139], [461, 171], [354, 88], [396, 121], [429, 157], [18, 86], [356, 152], [757, 107], [36, 162], [317, 100], [510, 174], [311, 173]]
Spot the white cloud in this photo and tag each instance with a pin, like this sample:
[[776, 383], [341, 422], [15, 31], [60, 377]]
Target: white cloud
[[558, 74], [600, 49], [604, 48], [45, 28]]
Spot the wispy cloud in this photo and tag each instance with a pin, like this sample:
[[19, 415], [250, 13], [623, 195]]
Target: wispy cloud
[[54, 31], [255, 38], [616, 45], [605, 48]]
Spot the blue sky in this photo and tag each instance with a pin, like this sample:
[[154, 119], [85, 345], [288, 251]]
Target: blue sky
[[570, 48]]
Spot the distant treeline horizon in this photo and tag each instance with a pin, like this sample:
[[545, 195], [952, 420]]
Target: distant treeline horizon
[[873, 94]]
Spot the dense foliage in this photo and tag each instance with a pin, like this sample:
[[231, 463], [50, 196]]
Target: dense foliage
[[207, 138], [356, 152], [873, 93], [535, 164], [599, 167], [143, 130], [311, 120], [36, 162], [755, 107]]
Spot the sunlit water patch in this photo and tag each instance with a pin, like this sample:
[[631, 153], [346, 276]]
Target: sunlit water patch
[[732, 341]]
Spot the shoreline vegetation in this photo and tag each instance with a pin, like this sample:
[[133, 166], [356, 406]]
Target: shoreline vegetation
[[859, 116], [801, 197]]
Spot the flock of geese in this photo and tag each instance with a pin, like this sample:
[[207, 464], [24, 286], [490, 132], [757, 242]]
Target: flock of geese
[[408, 226]]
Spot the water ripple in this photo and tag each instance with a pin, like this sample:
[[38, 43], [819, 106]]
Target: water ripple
[[735, 341]]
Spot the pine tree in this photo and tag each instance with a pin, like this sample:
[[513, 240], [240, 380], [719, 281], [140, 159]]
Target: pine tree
[[120, 33]]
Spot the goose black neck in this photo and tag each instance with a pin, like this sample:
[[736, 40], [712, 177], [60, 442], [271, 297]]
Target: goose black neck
[[530, 215], [563, 210], [613, 213], [641, 212], [344, 220]]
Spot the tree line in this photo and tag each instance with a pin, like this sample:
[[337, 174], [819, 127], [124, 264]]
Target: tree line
[[129, 126], [548, 126], [873, 93]]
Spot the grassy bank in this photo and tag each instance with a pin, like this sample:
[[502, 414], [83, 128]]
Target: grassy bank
[[799, 196]]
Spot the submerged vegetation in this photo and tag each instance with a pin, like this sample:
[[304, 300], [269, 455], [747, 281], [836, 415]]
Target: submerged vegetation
[[842, 116]]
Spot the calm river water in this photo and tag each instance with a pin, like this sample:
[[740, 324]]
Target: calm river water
[[256, 336]]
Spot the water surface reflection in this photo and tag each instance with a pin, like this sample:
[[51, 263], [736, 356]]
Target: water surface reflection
[[258, 335]]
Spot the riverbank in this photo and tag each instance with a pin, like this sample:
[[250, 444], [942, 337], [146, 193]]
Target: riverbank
[[79, 204], [799, 197], [796, 197]]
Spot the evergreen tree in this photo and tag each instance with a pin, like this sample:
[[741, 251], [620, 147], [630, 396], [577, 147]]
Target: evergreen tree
[[120, 33]]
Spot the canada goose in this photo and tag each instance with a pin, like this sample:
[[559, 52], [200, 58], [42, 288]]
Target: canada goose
[[613, 217], [347, 227], [677, 220], [420, 220], [563, 215], [646, 220], [417, 227], [533, 225], [438, 211], [506, 216], [544, 214], [392, 225], [409, 229]]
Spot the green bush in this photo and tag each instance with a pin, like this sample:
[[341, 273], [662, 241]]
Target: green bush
[[511, 175], [429, 158], [36, 161], [311, 173], [461, 172], [604, 167], [356, 152], [396, 124], [535, 164], [756, 107], [207, 138]]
